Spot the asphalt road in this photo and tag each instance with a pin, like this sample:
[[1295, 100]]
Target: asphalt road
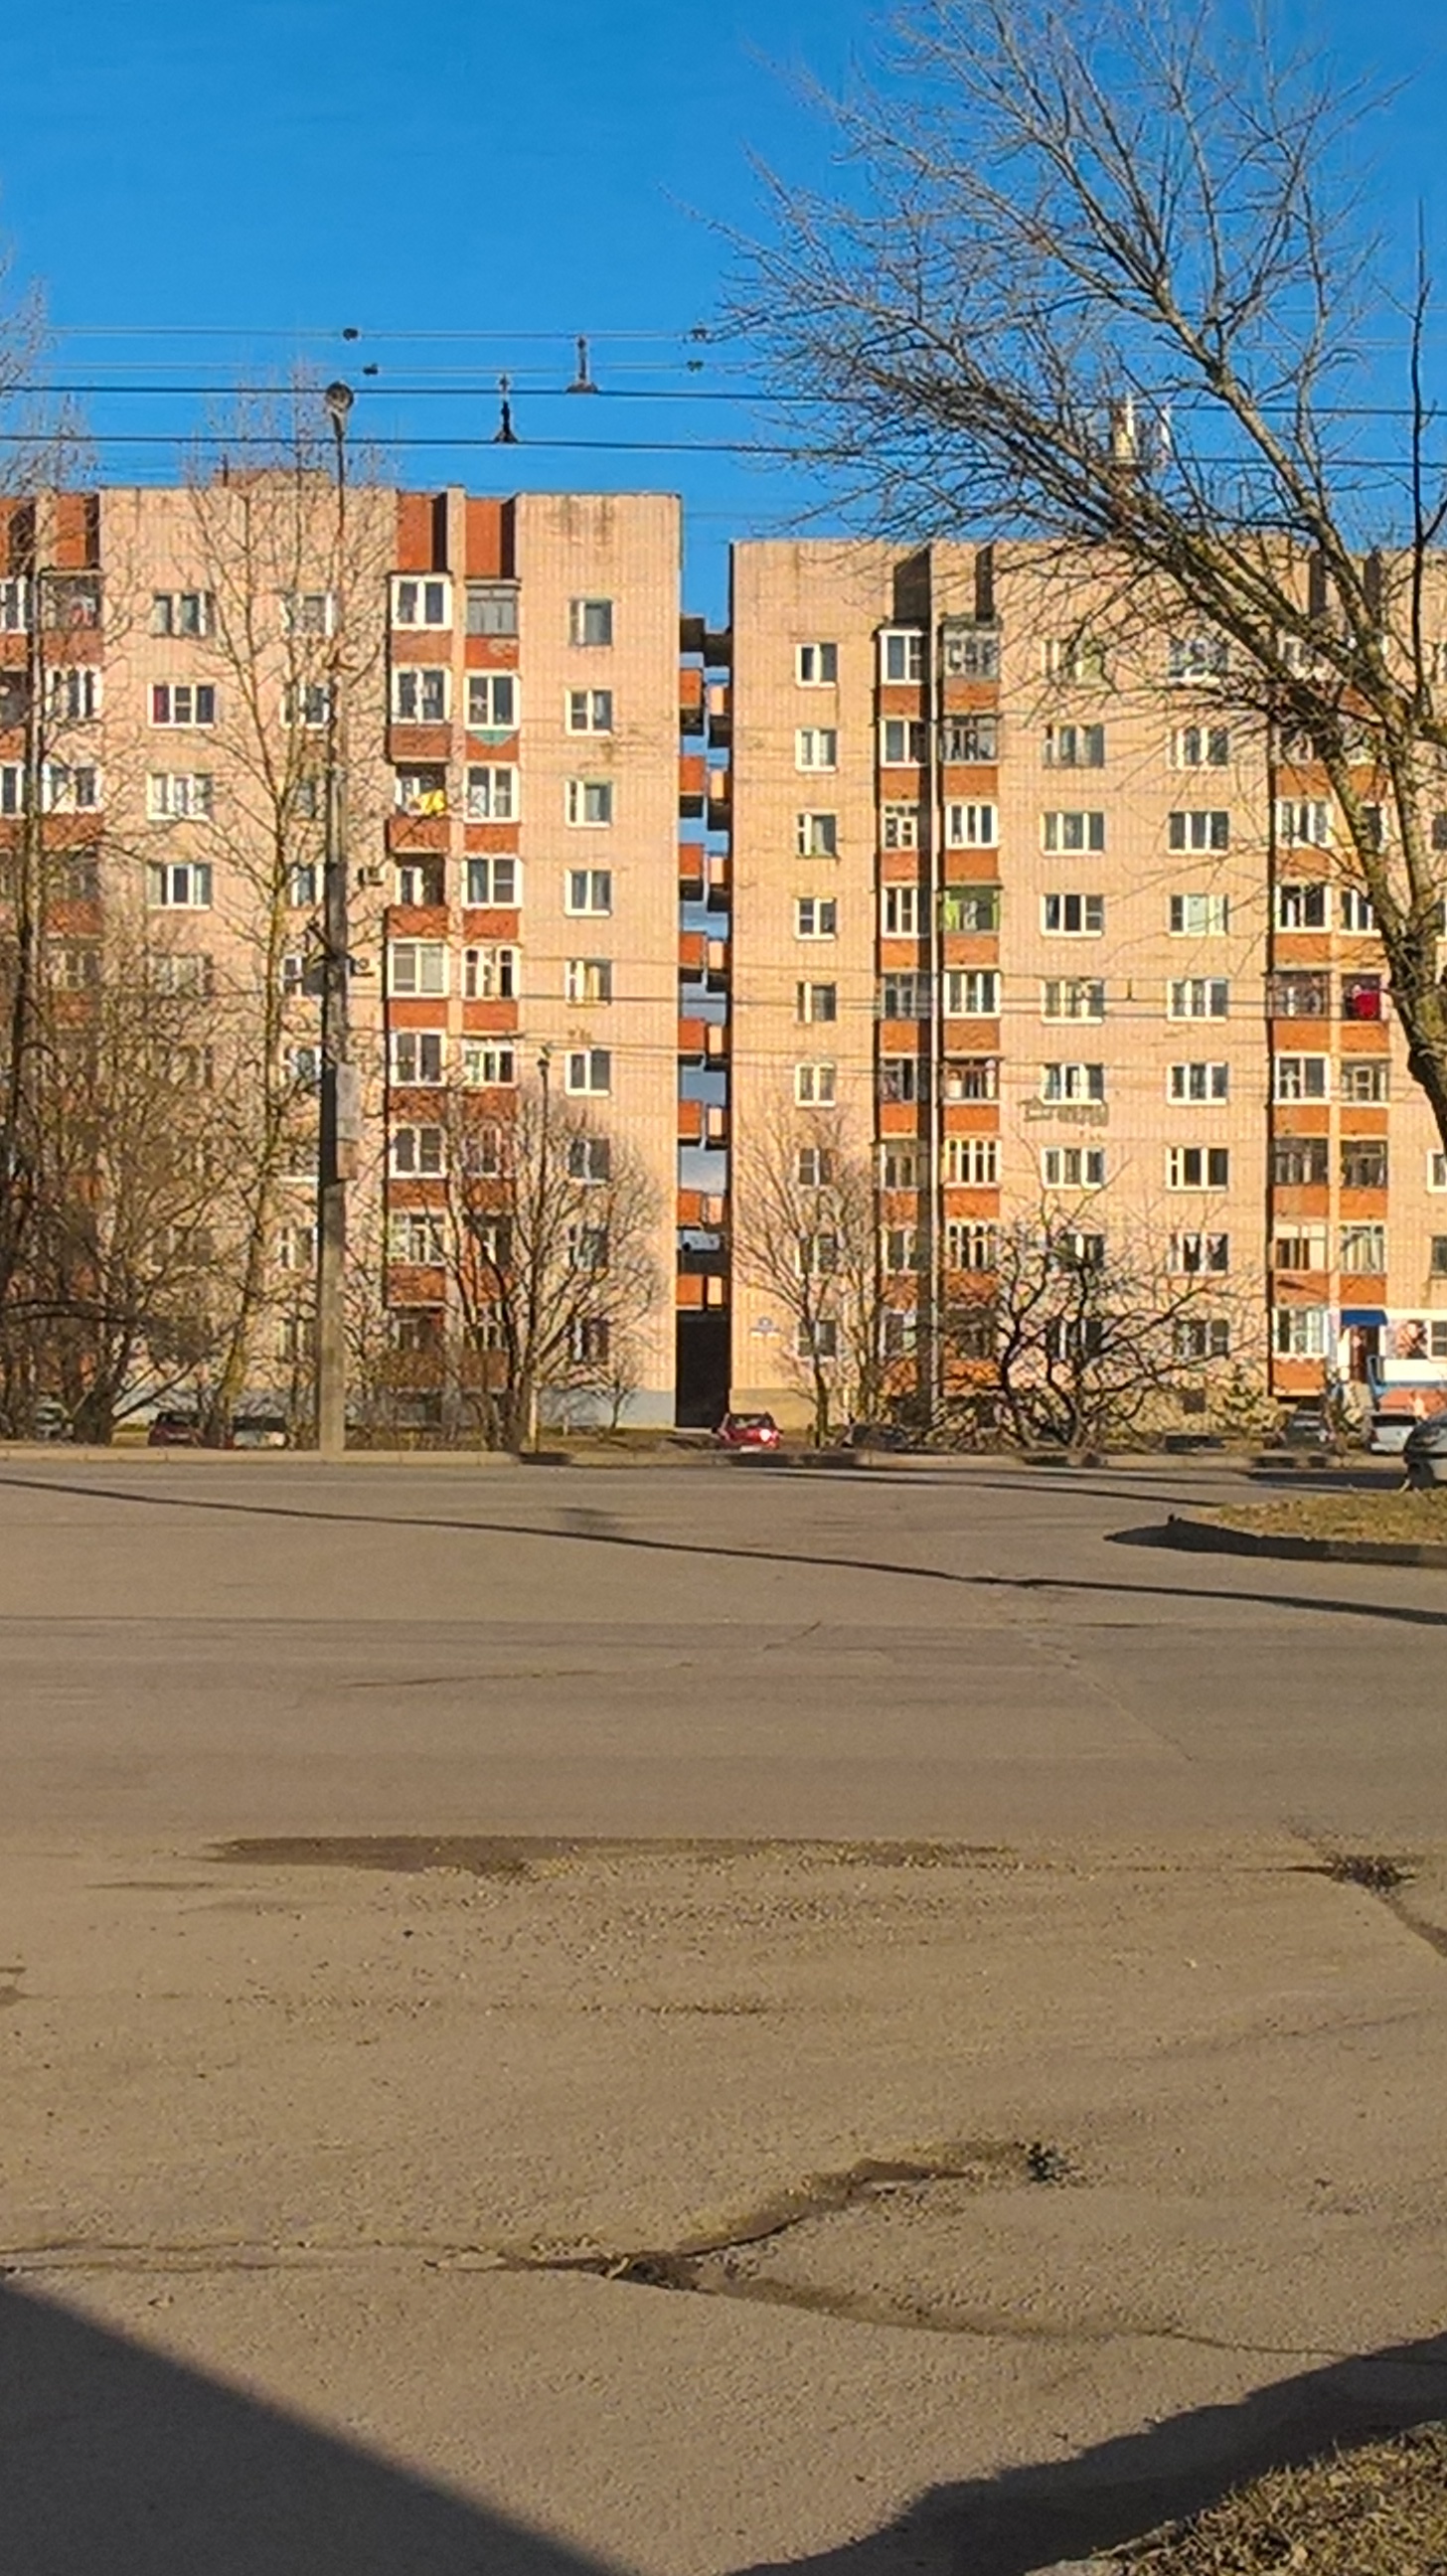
[[262, 1647]]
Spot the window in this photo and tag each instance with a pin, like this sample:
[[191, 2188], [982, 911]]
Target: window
[[816, 1002], [972, 993], [415, 1237], [492, 796], [307, 612], [972, 1077], [589, 890], [970, 653], [814, 1088], [1200, 916], [899, 827], [182, 612], [1199, 1254], [72, 692], [1072, 997], [970, 1247], [1073, 746], [1300, 1332], [1364, 1162], [817, 1340], [417, 966], [816, 836], [1363, 1249], [1438, 1259], [1364, 1078], [815, 917], [1199, 827], [1198, 997], [492, 701], [1303, 825], [183, 703], [590, 803], [1201, 1337], [898, 1332], [1299, 997], [1299, 1247], [590, 1159], [590, 711], [178, 795], [899, 912], [590, 621], [1199, 746], [1067, 832], [1073, 1167], [588, 979], [1302, 907], [901, 654], [186, 888], [816, 1255], [296, 1247], [1071, 1249], [904, 997], [489, 1064], [971, 908], [901, 1165], [899, 1249], [1198, 1167], [813, 1167], [589, 1070], [417, 1152], [14, 606], [417, 1056], [421, 791], [421, 602], [903, 743], [1437, 1170], [1301, 1077], [1356, 910], [76, 877], [1078, 659], [1072, 916], [1374, 827], [303, 1067], [421, 693], [306, 705], [1198, 1080], [965, 741], [67, 789], [186, 972], [494, 884], [972, 1162], [421, 880], [489, 974], [590, 1336], [972, 827], [899, 1079], [816, 666], [1299, 1162], [1196, 657], [1361, 997], [492, 608], [1072, 1082]]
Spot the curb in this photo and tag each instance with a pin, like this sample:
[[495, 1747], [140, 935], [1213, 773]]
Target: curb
[[1212, 1538]]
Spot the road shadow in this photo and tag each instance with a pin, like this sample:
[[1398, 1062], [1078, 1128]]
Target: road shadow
[[1030, 2518], [117, 2462]]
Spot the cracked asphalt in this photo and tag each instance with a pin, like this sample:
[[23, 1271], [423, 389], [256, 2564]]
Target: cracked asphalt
[[692, 2021]]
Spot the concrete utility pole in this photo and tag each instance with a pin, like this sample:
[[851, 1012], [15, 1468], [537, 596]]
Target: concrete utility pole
[[337, 1145]]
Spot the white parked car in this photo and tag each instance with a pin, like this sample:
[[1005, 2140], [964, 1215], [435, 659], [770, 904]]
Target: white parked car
[[1388, 1436]]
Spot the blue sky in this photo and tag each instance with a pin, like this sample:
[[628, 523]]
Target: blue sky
[[269, 171]]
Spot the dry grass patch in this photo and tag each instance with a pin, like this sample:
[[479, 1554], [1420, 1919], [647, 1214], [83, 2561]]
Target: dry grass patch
[[1378, 2511], [1395, 1517]]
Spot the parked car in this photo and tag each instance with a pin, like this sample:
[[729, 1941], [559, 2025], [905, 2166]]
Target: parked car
[[1306, 1427], [1424, 1453], [259, 1431], [52, 1422], [877, 1435], [748, 1431], [1389, 1433], [173, 1429]]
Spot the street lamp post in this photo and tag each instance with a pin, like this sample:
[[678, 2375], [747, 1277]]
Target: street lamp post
[[336, 1157]]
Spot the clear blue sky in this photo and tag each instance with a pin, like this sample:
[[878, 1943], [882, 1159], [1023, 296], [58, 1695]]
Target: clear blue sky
[[272, 170]]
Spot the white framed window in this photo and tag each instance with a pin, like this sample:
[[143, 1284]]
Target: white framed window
[[1072, 997], [489, 1064], [303, 1066], [816, 836], [901, 654], [1200, 916], [418, 1153], [1362, 1248], [972, 827], [417, 1056], [899, 911], [68, 787], [421, 600], [1198, 1081], [588, 890], [970, 651], [816, 1338], [1072, 832], [816, 666], [1200, 1255], [816, 747], [414, 1236], [589, 1071], [1364, 1078], [1201, 746], [72, 692], [182, 704], [303, 885], [590, 1160], [903, 742], [1198, 997], [1301, 1077], [492, 701], [814, 1088], [813, 1167], [973, 909], [1300, 1332], [901, 1164], [1201, 1337], [587, 980], [492, 883], [1073, 746], [1303, 907], [972, 1162], [898, 1332], [1072, 916], [492, 608], [1076, 659], [816, 1255], [489, 974], [183, 612], [1197, 658], [296, 1247], [1355, 910], [590, 1337], [421, 880], [186, 971], [1199, 827], [1072, 1082], [308, 612], [421, 693], [1198, 1167], [969, 741], [306, 705], [972, 993], [1073, 1167], [179, 795], [590, 803], [421, 792], [492, 795], [972, 1077], [1303, 823], [417, 966], [590, 621], [899, 827], [816, 1003], [589, 710], [816, 916], [1299, 1247], [14, 605], [904, 997], [899, 1249], [182, 888]]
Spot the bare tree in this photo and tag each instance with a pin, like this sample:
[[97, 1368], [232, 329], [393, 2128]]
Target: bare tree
[[1103, 279], [807, 1231]]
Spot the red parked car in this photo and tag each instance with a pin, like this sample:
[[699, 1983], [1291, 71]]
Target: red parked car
[[748, 1431], [173, 1429]]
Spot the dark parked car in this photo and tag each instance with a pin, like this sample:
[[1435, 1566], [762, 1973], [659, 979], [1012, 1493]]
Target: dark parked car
[[173, 1429], [1425, 1452], [747, 1431], [1306, 1427], [877, 1435]]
